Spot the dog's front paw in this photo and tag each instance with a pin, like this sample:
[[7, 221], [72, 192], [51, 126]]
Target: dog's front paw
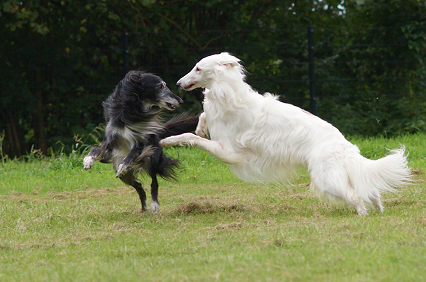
[[202, 129], [181, 140], [168, 142], [88, 162], [121, 170]]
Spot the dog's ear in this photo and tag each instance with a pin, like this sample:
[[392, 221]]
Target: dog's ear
[[228, 60], [228, 64], [134, 76], [135, 80]]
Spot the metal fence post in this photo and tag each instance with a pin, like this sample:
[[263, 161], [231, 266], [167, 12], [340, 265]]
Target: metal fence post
[[311, 70], [125, 51]]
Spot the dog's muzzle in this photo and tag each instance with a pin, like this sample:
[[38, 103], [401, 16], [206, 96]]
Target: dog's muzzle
[[185, 87]]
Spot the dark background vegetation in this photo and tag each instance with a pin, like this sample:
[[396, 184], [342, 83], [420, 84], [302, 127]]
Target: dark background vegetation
[[60, 59]]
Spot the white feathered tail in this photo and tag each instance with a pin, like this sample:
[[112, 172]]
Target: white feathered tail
[[370, 178]]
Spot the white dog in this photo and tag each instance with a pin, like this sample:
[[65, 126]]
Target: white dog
[[262, 139]]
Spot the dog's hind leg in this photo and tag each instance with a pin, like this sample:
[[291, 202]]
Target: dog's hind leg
[[352, 198], [333, 180], [130, 179], [155, 205], [377, 203]]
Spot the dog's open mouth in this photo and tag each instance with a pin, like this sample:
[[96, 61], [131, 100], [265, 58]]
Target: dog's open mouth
[[190, 86], [171, 106]]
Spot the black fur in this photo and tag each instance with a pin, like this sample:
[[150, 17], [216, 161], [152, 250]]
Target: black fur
[[134, 130]]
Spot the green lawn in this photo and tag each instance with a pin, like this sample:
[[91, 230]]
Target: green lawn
[[61, 223]]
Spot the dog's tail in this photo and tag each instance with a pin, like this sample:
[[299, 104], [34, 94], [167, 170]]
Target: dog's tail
[[179, 124], [163, 165], [370, 178]]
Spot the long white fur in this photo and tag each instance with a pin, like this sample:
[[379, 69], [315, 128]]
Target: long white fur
[[263, 139]]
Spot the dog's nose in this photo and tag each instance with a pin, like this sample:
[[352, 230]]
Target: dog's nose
[[178, 84]]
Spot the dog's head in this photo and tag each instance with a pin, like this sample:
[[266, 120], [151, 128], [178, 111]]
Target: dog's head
[[210, 70], [150, 89]]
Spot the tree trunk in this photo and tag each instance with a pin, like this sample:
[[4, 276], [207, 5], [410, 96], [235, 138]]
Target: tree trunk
[[13, 143]]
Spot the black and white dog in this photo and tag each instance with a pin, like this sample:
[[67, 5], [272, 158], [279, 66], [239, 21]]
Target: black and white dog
[[134, 128]]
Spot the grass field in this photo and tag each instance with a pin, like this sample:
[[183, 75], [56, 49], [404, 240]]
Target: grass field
[[61, 223]]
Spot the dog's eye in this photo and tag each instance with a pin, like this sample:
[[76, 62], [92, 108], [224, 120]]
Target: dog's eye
[[161, 87], [197, 69]]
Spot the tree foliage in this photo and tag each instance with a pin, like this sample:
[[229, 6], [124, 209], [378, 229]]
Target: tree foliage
[[60, 59], [379, 72]]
